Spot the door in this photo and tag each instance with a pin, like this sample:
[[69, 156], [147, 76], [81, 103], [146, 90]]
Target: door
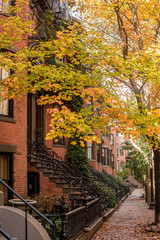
[[4, 174], [33, 184]]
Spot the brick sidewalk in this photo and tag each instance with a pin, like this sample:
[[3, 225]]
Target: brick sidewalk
[[129, 221]]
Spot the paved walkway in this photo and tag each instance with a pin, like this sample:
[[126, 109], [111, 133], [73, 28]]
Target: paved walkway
[[129, 221]]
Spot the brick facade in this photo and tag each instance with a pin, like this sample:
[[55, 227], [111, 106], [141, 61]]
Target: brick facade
[[13, 140]]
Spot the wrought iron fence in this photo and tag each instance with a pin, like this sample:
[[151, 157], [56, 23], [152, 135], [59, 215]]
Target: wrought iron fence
[[82, 217], [61, 223], [98, 185]]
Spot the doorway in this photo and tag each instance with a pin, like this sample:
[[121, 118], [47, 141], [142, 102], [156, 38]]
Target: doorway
[[33, 184], [6, 174]]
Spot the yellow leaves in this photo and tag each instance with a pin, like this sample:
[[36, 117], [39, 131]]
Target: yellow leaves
[[73, 143], [82, 143]]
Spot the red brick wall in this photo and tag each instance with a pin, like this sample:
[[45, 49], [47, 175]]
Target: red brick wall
[[46, 187], [16, 134]]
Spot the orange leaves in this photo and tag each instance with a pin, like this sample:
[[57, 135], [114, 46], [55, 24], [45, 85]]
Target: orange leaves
[[73, 143]]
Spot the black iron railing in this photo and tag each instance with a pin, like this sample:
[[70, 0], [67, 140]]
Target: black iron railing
[[44, 220], [94, 187], [4, 234], [82, 217], [72, 217]]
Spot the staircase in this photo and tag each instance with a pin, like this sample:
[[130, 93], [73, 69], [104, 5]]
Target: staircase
[[58, 171], [136, 184], [65, 176]]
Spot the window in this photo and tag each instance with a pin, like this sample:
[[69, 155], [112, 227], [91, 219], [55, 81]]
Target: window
[[6, 106], [122, 166], [112, 139], [99, 153], [117, 148], [121, 151], [121, 137], [104, 156], [4, 4], [108, 157], [118, 164], [59, 141], [107, 133], [90, 153], [112, 161]]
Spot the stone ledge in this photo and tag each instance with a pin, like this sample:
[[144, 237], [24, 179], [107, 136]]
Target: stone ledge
[[8, 148], [91, 230], [7, 119]]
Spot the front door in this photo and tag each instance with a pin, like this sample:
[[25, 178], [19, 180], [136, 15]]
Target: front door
[[5, 174]]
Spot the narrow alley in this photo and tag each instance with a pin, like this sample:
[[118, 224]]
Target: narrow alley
[[129, 221]]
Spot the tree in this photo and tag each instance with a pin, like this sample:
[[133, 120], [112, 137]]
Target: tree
[[138, 158], [59, 69], [123, 37], [110, 59]]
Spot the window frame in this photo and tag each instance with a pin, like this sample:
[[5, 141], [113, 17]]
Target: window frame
[[121, 150], [104, 157], [90, 147], [112, 139], [99, 153], [112, 160], [10, 101], [60, 141]]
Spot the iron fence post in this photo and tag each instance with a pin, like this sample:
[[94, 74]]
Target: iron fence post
[[86, 211], [63, 235]]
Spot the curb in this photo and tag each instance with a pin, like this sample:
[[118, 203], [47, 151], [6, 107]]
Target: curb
[[109, 213]]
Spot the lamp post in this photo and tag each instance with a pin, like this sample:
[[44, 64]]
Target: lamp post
[[152, 203]]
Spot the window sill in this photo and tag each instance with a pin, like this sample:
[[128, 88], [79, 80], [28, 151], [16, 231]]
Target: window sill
[[93, 160], [59, 145], [7, 119]]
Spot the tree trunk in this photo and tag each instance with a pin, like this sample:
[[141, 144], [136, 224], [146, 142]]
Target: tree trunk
[[157, 184], [148, 193]]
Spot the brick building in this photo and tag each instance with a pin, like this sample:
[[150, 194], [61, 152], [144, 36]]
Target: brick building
[[108, 156], [24, 120]]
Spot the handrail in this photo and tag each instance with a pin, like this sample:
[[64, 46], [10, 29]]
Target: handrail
[[5, 234], [29, 205], [23, 200], [49, 159]]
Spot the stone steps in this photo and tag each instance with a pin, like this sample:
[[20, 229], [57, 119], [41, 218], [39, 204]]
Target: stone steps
[[68, 187]]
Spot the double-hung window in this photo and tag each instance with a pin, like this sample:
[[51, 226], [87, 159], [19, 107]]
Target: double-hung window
[[104, 156], [90, 151], [6, 106]]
